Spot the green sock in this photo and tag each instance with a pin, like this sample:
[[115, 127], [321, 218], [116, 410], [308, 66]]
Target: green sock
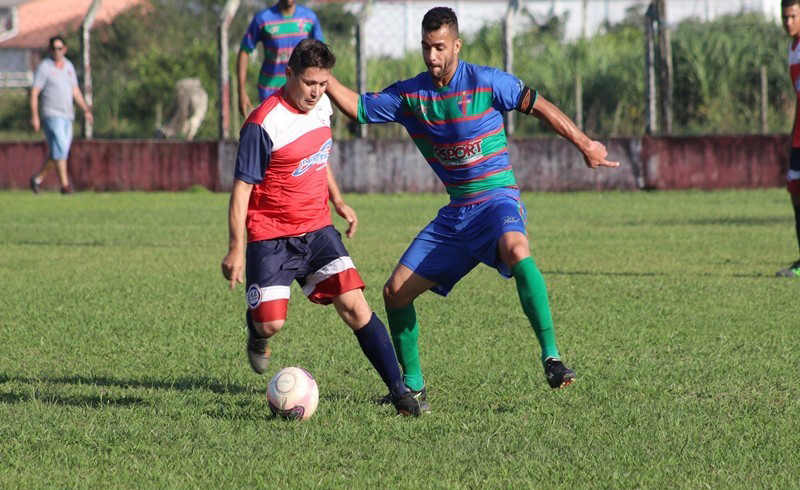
[[404, 328], [533, 296]]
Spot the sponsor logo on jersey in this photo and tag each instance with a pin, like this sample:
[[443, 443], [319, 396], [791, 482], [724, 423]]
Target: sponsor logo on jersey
[[454, 156], [421, 111], [319, 159], [253, 296], [510, 219]]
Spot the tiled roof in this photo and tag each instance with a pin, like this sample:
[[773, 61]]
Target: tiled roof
[[39, 20]]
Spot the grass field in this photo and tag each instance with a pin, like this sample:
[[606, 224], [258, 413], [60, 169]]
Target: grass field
[[122, 352]]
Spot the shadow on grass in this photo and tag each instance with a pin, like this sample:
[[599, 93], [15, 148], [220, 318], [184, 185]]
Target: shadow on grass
[[180, 384], [91, 401], [557, 272], [721, 220]]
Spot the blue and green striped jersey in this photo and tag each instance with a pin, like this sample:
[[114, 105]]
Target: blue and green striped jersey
[[458, 128]]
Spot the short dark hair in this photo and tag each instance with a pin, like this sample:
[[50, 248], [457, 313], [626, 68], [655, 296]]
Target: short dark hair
[[789, 3], [437, 17], [55, 38], [311, 53]]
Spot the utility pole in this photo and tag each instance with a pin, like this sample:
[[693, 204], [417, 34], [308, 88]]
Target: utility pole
[[651, 125], [361, 58], [223, 73], [664, 67], [86, 27], [508, 55]]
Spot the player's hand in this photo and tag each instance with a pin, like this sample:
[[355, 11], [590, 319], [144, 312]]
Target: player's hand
[[350, 216], [595, 156], [245, 107], [87, 114], [35, 123], [233, 268]]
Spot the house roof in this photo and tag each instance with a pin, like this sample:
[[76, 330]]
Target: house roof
[[39, 20]]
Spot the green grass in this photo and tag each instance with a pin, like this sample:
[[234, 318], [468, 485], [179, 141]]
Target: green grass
[[122, 352]]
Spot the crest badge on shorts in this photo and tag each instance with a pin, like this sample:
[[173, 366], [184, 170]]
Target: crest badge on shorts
[[253, 296]]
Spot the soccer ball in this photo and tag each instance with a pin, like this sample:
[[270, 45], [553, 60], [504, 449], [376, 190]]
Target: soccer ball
[[293, 394]]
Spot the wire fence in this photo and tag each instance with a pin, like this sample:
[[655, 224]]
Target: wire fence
[[601, 61]]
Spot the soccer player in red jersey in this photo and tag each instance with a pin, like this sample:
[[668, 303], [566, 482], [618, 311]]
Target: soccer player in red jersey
[[791, 23], [279, 209]]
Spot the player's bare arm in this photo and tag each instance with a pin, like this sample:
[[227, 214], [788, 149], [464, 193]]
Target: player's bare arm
[[342, 209], [594, 152], [35, 123], [78, 96], [245, 107], [233, 263], [344, 98]]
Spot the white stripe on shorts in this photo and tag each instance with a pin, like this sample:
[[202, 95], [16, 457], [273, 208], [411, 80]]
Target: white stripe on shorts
[[793, 175], [269, 293], [339, 265]]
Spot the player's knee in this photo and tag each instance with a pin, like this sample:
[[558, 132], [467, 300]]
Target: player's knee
[[270, 328], [353, 309], [393, 297]]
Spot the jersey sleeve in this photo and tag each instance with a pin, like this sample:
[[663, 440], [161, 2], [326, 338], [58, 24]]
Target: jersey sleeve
[[381, 107], [251, 36], [252, 158], [39, 77], [506, 89]]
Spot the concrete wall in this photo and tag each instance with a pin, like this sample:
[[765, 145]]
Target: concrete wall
[[712, 162]]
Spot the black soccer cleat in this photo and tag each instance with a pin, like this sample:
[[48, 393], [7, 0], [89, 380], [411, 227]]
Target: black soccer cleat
[[408, 405], [258, 352], [421, 395], [558, 375], [35, 185]]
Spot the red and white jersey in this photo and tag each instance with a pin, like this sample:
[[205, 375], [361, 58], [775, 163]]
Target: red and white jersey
[[794, 72], [284, 153]]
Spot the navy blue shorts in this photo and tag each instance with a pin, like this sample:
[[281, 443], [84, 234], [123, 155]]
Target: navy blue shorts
[[793, 176], [459, 238], [318, 261]]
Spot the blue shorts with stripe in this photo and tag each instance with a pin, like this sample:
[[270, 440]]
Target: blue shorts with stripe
[[459, 238]]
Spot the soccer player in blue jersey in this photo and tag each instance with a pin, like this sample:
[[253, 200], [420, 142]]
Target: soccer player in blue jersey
[[279, 28], [453, 112]]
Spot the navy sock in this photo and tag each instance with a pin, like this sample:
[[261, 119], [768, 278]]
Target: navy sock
[[797, 224], [376, 345]]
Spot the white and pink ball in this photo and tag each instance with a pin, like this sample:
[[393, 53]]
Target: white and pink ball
[[293, 394]]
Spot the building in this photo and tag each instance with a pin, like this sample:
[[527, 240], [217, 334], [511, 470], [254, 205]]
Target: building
[[26, 26]]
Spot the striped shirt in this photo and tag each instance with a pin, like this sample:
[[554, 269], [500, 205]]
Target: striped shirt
[[458, 128], [279, 35]]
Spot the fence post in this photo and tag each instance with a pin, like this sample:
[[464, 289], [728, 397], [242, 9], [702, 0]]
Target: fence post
[[764, 100], [508, 55], [665, 67], [361, 58], [86, 26], [223, 74], [649, 71], [578, 102]]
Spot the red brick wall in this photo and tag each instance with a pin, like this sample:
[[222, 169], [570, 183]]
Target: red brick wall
[[709, 162]]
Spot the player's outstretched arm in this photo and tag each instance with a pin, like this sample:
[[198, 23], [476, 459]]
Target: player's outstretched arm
[[339, 205], [344, 98], [594, 152], [233, 263]]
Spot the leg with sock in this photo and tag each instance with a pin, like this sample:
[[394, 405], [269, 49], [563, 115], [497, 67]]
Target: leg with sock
[[377, 347], [405, 335], [533, 297]]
